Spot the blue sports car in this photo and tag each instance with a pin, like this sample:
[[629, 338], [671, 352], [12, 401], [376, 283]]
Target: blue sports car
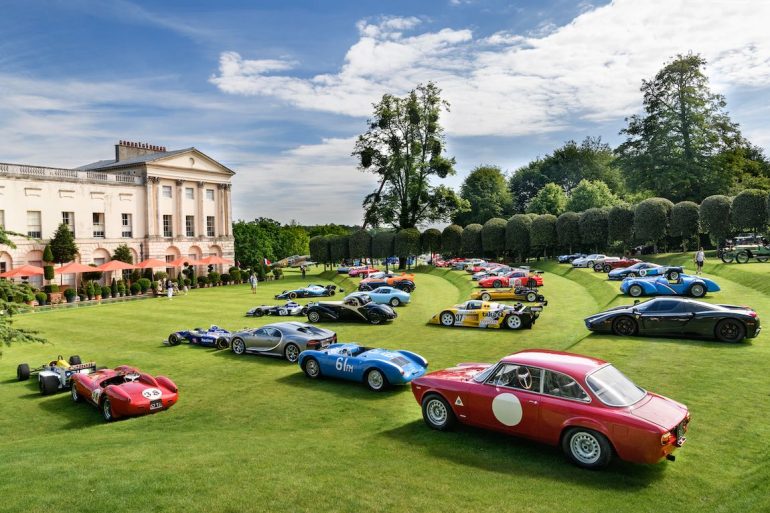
[[646, 269], [685, 285], [386, 296], [378, 368], [213, 337], [309, 291]]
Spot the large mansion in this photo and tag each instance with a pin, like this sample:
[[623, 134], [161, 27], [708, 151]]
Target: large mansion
[[161, 204]]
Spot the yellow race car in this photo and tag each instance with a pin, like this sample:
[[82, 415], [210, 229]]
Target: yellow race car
[[514, 293], [485, 314]]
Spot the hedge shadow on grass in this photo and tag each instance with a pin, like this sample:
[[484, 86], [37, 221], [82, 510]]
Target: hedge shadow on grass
[[341, 387]]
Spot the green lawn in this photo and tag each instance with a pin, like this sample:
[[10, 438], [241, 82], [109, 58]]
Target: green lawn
[[253, 434]]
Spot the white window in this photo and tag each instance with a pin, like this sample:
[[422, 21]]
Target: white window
[[166, 191], [189, 193], [98, 222], [189, 225], [210, 194], [167, 226], [2, 218], [34, 224], [126, 222], [68, 218], [210, 226]]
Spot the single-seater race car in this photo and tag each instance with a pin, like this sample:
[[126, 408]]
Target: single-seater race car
[[55, 375], [678, 317], [514, 293], [215, 336], [583, 404], [401, 281], [385, 296], [355, 307], [484, 314], [285, 339], [514, 278], [646, 269], [378, 368], [684, 285], [124, 392], [290, 308], [309, 291]]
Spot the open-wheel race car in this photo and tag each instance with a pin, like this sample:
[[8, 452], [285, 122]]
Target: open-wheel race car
[[124, 392], [378, 368], [215, 336], [583, 404], [55, 375], [513, 293], [483, 314], [309, 291], [289, 308]]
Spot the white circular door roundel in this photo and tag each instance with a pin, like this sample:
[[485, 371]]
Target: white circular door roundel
[[507, 409]]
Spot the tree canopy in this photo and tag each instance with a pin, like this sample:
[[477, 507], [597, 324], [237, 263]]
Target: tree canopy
[[590, 194], [486, 191], [63, 245], [548, 200]]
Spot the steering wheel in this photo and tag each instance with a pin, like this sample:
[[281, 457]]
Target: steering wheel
[[524, 378], [131, 377]]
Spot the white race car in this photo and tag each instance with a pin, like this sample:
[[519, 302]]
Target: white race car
[[290, 308]]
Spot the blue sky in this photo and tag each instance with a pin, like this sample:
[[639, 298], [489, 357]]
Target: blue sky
[[278, 90]]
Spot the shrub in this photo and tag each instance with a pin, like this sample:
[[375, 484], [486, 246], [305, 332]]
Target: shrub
[[493, 237], [114, 288], [593, 227], [277, 273], [41, 298], [685, 223], [360, 244], [202, 281], [715, 217], [620, 224], [471, 240], [430, 241], [135, 289], [96, 275], [214, 278], [82, 297], [517, 235], [144, 284], [568, 230], [90, 290], [29, 297], [70, 294], [749, 210], [106, 292], [187, 282], [543, 233], [51, 288], [407, 242], [161, 275], [235, 275], [121, 287], [226, 278], [452, 241], [652, 218]]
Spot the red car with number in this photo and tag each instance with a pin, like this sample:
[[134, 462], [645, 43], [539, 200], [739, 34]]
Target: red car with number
[[582, 404], [515, 278], [362, 272], [609, 264], [124, 392]]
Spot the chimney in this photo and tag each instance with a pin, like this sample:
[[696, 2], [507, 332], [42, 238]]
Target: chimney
[[125, 150]]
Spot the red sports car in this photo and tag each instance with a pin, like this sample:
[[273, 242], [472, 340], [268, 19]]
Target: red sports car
[[124, 392], [585, 405], [515, 278], [486, 266], [609, 264], [362, 272]]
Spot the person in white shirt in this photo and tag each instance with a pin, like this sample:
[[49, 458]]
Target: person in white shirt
[[700, 257]]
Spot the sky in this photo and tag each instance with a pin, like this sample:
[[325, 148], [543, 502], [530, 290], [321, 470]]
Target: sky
[[279, 90]]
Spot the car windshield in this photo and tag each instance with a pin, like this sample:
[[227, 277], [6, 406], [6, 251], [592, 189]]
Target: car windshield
[[482, 376], [613, 388]]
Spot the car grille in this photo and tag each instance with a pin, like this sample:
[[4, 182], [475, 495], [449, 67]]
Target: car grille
[[400, 361], [679, 432]]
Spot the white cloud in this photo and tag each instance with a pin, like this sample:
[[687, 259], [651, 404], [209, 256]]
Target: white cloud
[[508, 84]]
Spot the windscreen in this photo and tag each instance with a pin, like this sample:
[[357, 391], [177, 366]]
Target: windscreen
[[613, 388]]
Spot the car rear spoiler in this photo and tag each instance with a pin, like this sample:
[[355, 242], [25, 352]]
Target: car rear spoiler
[[89, 366]]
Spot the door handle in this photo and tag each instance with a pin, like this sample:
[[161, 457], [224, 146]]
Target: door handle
[[530, 401]]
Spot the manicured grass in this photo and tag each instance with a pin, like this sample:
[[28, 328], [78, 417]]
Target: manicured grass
[[253, 434]]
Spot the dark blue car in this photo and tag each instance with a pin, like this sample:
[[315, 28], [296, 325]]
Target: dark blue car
[[215, 336], [645, 269]]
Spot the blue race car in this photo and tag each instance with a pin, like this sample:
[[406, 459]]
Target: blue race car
[[646, 269], [388, 296], [378, 368], [684, 285], [213, 337], [309, 291]]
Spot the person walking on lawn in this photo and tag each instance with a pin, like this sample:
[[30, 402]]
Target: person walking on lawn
[[700, 257], [253, 282]]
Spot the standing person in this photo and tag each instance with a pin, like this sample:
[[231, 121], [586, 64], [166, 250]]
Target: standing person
[[700, 257], [169, 288], [253, 282], [302, 270]]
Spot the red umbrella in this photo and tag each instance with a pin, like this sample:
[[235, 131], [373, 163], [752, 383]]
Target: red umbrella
[[151, 263], [74, 268], [215, 260], [24, 270], [179, 262], [113, 265]]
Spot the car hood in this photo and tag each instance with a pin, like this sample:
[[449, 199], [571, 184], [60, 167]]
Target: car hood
[[463, 372], [659, 410]]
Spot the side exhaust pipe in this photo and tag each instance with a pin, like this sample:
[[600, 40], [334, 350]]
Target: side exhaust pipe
[[670, 457]]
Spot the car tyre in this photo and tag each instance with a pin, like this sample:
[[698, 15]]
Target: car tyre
[[22, 372], [597, 268], [497, 284], [697, 290], [331, 293], [313, 316], [672, 275], [624, 326], [376, 380], [222, 343], [631, 275], [259, 313], [291, 353], [590, 263], [531, 297], [375, 319], [238, 346], [607, 268], [311, 368], [48, 384], [106, 408], [514, 322], [173, 339], [730, 330], [74, 393], [587, 448], [635, 290], [486, 296], [75, 360], [437, 413], [394, 302], [447, 318]]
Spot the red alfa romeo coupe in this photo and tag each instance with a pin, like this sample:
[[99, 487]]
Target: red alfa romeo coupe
[[582, 404], [124, 392]]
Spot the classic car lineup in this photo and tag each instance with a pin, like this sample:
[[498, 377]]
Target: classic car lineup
[[581, 404]]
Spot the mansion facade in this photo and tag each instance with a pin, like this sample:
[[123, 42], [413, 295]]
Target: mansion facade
[[161, 204]]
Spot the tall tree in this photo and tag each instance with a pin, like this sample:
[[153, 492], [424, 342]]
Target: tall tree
[[715, 217], [543, 233], [590, 194], [548, 200], [671, 149], [685, 223], [620, 225], [360, 244], [123, 254], [471, 240], [652, 219], [451, 241], [430, 240], [486, 191], [568, 230], [404, 147], [593, 228], [493, 237], [517, 235], [63, 245], [749, 210], [407, 244]]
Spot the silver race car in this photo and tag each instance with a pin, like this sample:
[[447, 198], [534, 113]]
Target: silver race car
[[286, 339]]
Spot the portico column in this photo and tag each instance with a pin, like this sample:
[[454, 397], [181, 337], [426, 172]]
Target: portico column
[[178, 230], [220, 210], [158, 215], [228, 210], [148, 223], [154, 210], [200, 217]]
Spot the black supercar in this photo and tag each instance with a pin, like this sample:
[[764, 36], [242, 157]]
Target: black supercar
[[678, 317]]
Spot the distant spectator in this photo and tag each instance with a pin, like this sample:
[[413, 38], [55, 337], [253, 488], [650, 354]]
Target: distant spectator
[[253, 282], [700, 257], [302, 270]]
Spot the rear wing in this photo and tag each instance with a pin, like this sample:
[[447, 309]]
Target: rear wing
[[82, 368]]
